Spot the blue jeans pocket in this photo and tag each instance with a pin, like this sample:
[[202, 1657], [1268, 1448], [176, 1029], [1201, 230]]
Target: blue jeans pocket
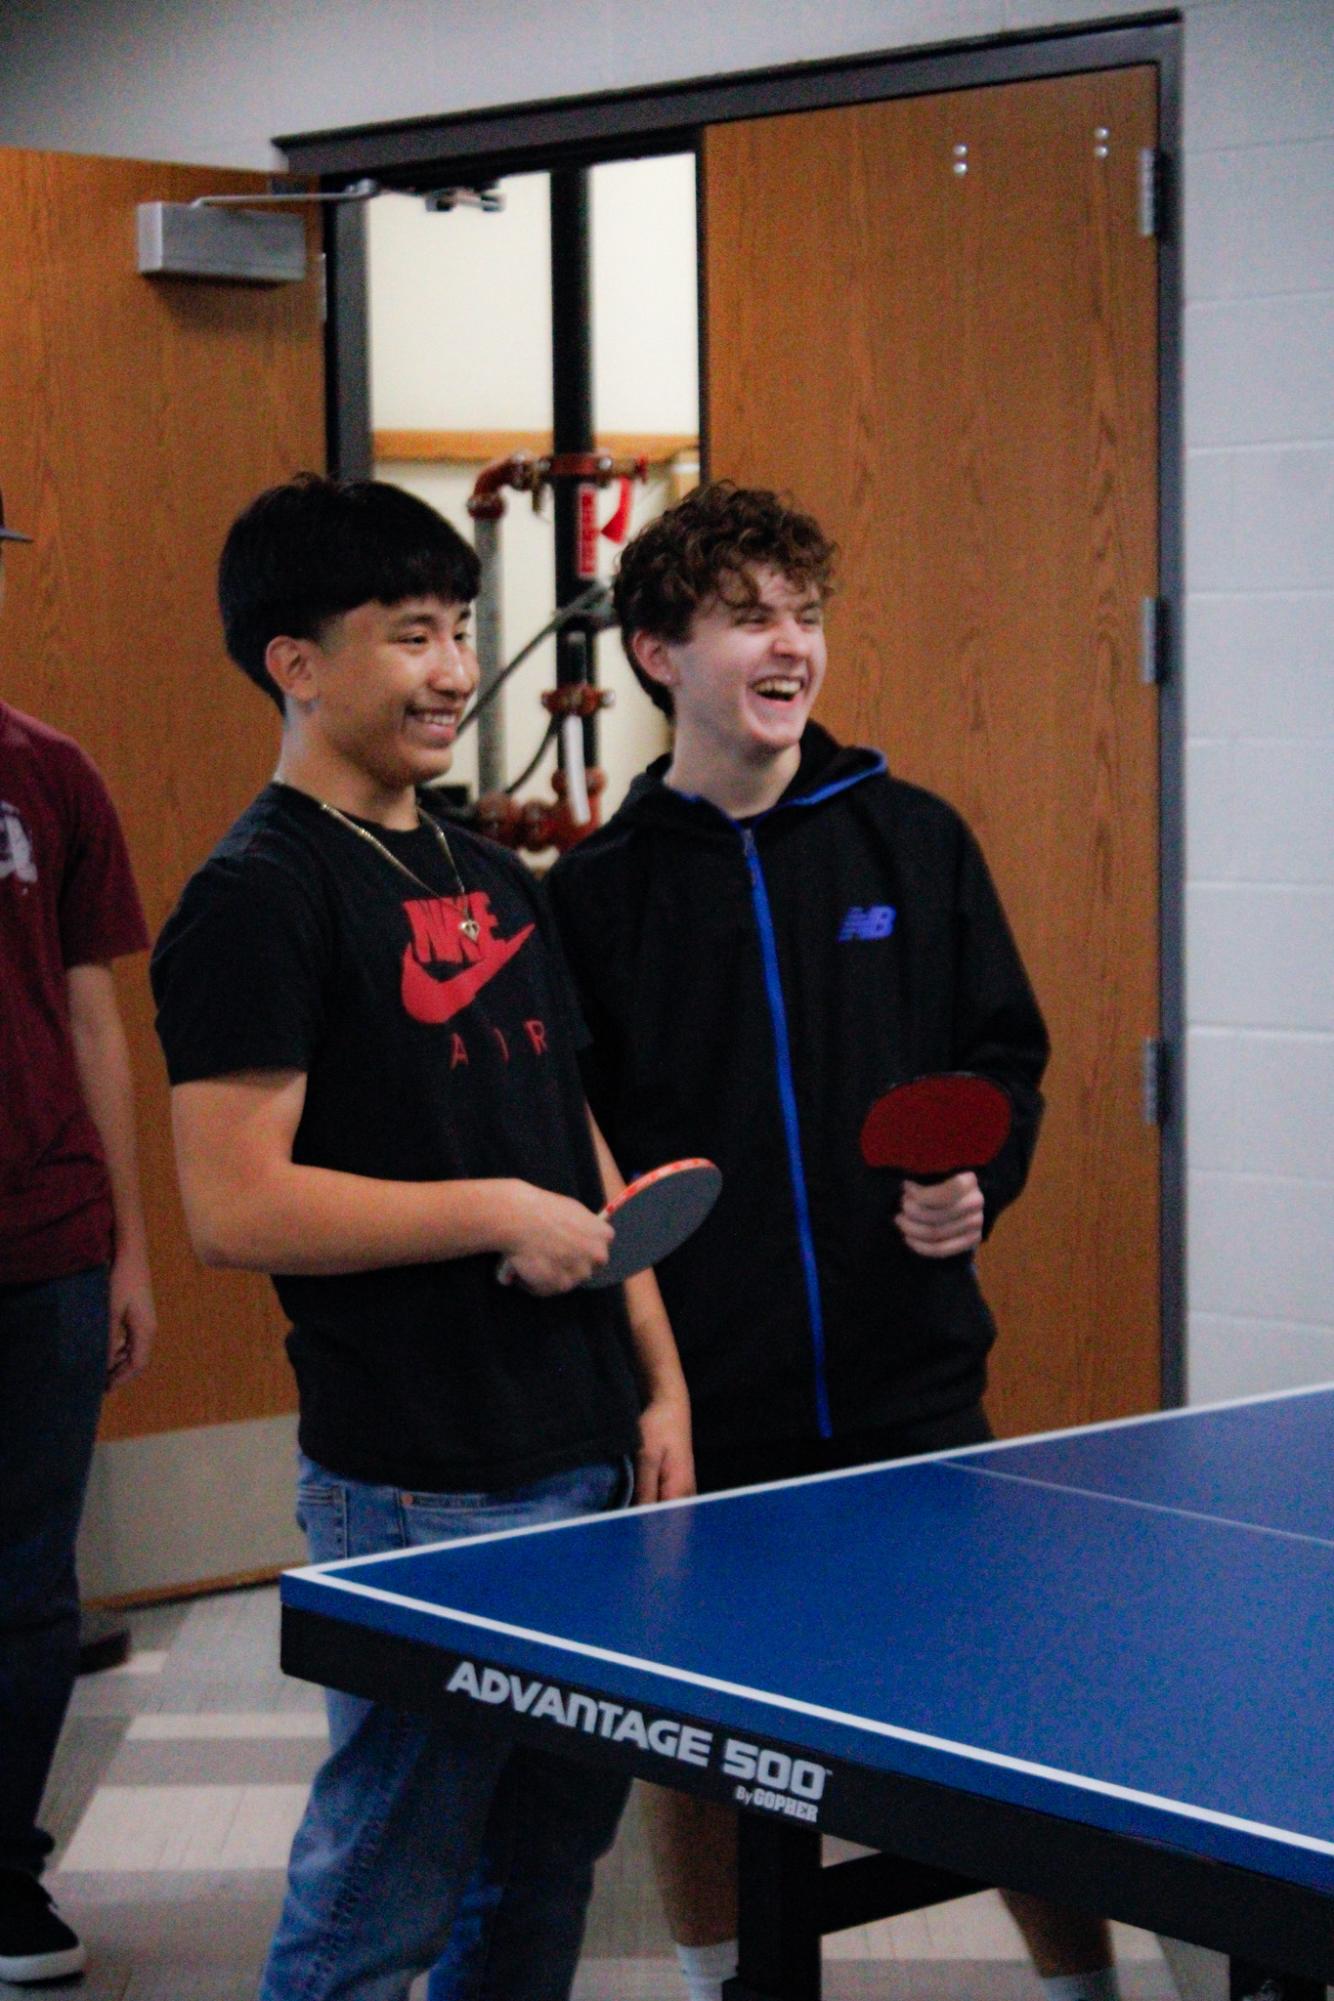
[[321, 1516], [431, 1518], [585, 1490], [342, 1518]]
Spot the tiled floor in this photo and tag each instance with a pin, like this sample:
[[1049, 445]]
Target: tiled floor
[[181, 1778]]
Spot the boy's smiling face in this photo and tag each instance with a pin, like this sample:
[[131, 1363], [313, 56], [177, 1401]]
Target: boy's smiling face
[[382, 691], [744, 681]]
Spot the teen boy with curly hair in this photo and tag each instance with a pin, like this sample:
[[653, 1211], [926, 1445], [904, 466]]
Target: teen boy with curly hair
[[768, 932]]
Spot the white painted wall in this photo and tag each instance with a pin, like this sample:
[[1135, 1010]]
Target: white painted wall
[[214, 80]]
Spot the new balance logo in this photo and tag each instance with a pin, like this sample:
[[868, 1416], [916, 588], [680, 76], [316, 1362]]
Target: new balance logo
[[875, 921]]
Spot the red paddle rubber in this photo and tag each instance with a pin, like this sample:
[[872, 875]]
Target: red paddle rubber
[[938, 1125]]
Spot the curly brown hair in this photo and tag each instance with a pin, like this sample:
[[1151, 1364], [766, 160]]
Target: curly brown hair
[[707, 548]]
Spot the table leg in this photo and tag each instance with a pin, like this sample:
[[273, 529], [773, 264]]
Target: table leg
[[778, 1879], [1252, 1983]]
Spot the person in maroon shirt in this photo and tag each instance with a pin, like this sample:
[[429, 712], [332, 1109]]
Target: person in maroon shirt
[[76, 1305]]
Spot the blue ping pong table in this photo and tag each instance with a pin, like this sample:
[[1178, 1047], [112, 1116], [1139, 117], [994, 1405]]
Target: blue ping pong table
[[1097, 1664]]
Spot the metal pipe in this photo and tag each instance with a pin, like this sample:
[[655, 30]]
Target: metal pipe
[[488, 621], [347, 343], [572, 418]]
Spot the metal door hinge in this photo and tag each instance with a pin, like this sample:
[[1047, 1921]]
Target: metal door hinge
[[1156, 1080], [1154, 191], [1155, 641]]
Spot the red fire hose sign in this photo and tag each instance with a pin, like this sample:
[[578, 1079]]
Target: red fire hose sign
[[586, 552]]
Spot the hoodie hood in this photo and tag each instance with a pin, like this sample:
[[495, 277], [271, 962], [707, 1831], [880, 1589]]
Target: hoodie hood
[[826, 770]]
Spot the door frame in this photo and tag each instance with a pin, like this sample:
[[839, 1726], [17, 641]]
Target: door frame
[[475, 147]]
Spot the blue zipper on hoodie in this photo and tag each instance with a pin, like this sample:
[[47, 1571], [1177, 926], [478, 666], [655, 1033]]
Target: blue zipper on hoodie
[[788, 1099], [787, 1092]]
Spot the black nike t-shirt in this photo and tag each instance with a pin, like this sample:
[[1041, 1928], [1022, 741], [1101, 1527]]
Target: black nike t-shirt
[[428, 1056]]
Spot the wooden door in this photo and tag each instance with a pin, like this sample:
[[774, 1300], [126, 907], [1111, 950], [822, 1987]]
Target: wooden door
[[934, 321], [137, 416]]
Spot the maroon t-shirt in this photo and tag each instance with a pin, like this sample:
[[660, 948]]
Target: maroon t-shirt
[[67, 898]]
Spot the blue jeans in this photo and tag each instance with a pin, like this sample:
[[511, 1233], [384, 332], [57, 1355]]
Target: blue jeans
[[411, 1819], [53, 1371]]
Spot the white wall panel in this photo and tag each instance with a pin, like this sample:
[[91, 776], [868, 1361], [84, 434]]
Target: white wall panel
[[1259, 518], [1030, 14], [1239, 1358], [1259, 410], [1262, 1249], [1251, 1103], [1210, 525], [1260, 665], [216, 82], [1259, 219], [1261, 72], [1258, 956], [1212, 1133], [1211, 825], [1283, 800], [1262, 810], [1282, 349], [1282, 515]]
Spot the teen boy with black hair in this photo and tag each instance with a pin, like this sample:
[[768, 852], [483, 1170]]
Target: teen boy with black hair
[[376, 1096], [769, 932]]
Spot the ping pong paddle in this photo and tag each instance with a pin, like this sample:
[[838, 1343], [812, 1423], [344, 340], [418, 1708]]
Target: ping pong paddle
[[651, 1216], [936, 1126]]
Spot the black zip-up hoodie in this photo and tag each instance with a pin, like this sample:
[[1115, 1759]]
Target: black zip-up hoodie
[[751, 988]]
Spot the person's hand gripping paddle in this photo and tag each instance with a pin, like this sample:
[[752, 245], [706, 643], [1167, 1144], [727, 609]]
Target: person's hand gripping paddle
[[937, 1126], [651, 1216]]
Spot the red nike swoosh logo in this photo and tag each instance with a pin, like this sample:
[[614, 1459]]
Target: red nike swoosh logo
[[428, 999]]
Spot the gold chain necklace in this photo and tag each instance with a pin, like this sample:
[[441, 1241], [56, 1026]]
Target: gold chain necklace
[[468, 925]]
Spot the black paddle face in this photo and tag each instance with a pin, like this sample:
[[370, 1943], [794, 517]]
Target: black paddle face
[[937, 1126], [655, 1214]]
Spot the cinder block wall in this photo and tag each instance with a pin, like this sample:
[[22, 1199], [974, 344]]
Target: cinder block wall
[[1259, 430]]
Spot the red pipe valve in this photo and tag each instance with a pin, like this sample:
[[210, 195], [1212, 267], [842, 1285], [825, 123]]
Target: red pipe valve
[[577, 698]]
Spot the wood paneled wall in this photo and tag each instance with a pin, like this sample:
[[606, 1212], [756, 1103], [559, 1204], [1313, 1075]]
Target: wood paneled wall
[[136, 417]]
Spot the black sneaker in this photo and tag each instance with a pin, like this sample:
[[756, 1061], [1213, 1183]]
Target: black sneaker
[[35, 1942]]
